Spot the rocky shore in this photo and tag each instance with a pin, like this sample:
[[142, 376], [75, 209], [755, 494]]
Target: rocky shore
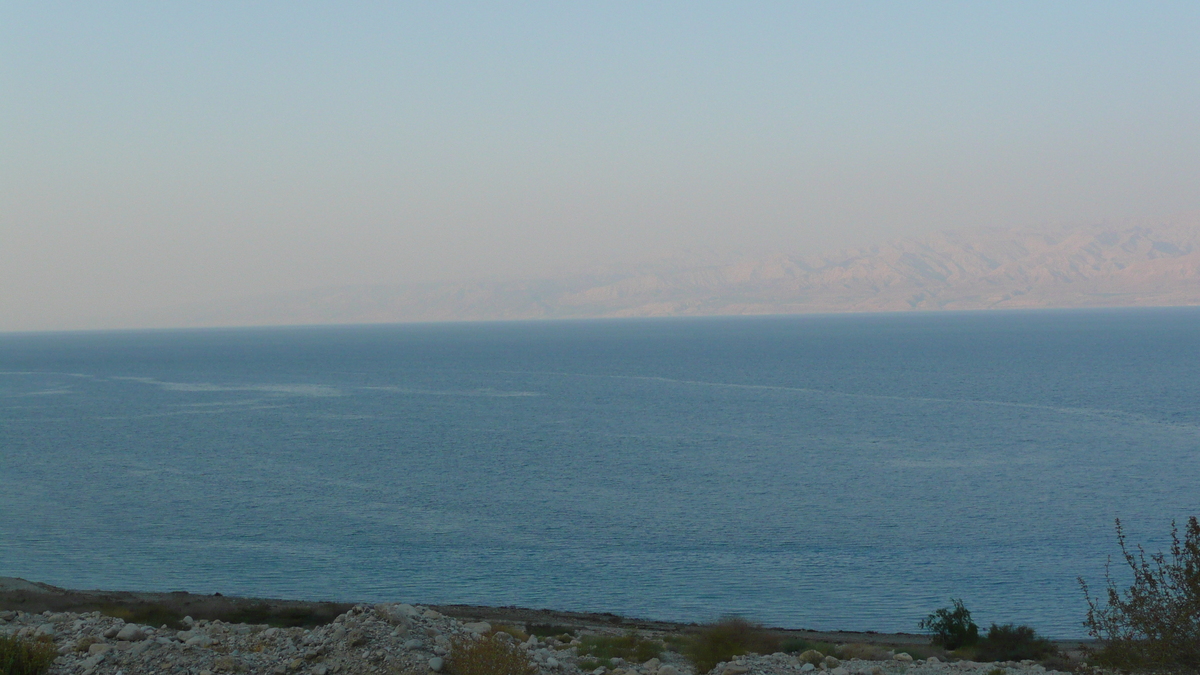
[[388, 638]]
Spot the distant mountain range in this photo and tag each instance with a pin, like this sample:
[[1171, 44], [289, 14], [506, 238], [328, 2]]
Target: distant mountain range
[[1092, 266]]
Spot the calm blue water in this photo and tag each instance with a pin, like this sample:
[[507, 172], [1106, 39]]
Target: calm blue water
[[829, 472]]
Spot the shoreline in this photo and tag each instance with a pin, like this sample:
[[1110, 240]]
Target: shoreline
[[179, 633], [163, 607]]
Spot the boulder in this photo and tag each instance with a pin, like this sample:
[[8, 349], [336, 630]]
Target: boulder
[[479, 627], [436, 663], [398, 614], [811, 656], [903, 657], [131, 632]]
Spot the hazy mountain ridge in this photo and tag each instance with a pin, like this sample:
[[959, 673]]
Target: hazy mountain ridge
[[1090, 266]]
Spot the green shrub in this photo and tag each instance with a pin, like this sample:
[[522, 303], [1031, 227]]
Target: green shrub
[[472, 655], [19, 656], [951, 627], [630, 646], [1013, 643], [1154, 623], [729, 637]]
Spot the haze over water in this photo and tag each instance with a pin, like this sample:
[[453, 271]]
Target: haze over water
[[826, 472]]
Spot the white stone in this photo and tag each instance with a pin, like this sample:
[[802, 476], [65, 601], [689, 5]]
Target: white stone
[[480, 628], [668, 670], [807, 667], [131, 632], [436, 663], [903, 657]]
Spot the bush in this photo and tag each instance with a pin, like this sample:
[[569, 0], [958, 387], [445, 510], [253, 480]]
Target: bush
[[729, 637], [1013, 643], [1155, 623], [951, 627], [26, 657], [492, 655]]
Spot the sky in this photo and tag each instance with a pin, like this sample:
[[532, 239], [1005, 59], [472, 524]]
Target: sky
[[157, 154]]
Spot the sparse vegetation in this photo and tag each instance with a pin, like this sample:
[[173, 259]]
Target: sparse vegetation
[[729, 637], [491, 655], [865, 652], [1155, 622], [1013, 643], [19, 656], [631, 646], [796, 645], [558, 631], [951, 627]]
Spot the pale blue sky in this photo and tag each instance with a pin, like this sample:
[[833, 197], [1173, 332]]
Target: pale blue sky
[[161, 153]]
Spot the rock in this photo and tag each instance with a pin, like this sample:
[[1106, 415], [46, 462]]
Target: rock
[[412, 644], [831, 662], [319, 669], [47, 629], [339, 634], [131, 632], [668, 670], [199, 641], [188, 621], [398, 614], [875, 670], [436, 663], [98, 648], [811, 656], [141, 647], [481, 628], [734, 669], [807, 668], [652, 665], [903, 657], [431, 615], [551, 662], [112, 631], [840, 670]]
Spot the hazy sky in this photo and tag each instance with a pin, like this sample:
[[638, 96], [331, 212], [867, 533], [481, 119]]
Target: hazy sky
[[165, 152]]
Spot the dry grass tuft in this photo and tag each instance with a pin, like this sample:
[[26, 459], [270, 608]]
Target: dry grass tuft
[[729, 637], [473, 655], [26, 657]]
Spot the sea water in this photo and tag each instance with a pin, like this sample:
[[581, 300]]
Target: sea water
[[847, 472]]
